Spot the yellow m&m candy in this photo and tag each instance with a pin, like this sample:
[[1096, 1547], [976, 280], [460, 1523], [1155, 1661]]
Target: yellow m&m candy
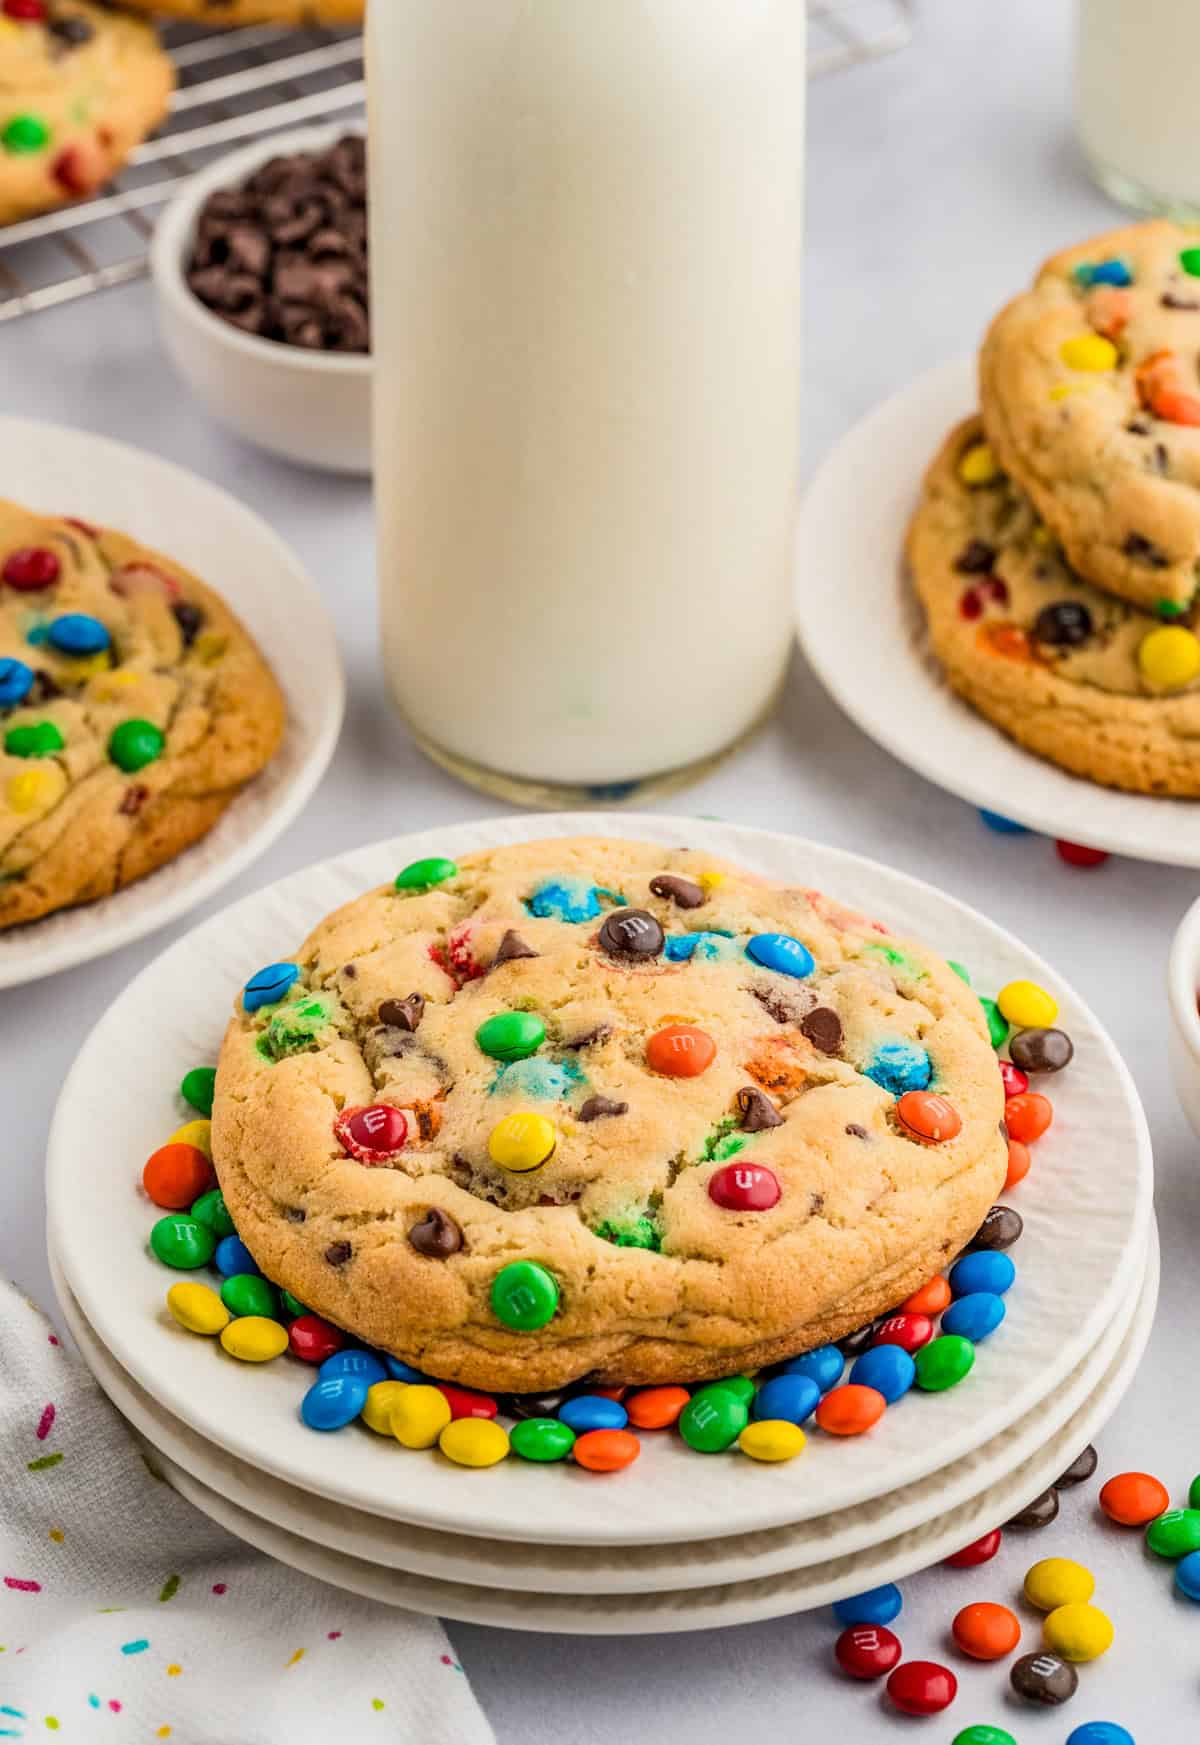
[[1078, 1632], [1169, 657], [978, 465], [197, 1133], [198, 1308], [522, 1142], [474, 1442], [1027, 1005], [381, 1398], [1058, 1581], [772, 1439], [1089, 351], [254, 1339], [36, 790], [419, 1416]]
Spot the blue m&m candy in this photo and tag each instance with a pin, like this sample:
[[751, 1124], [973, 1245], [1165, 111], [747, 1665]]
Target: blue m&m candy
[[824, 1365], [75, 633], [899, 1066], [1001, 825], [1101, 1733], [333, 1402], [887, 1368], [790, 1397], [267, 987], [781, 953], [593, 1412], [233, 1258], [1187, 1575], [1112, 271], [986, 1270], [16, 682], [364, 1366], [879, 1605], [974, 1316], [400, 1371]]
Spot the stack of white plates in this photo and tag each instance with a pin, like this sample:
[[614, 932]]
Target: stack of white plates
[[679, 1540]]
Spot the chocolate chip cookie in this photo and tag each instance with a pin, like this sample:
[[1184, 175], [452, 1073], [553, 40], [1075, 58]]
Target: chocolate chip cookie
[[593, 1107], [231, 12], [1077, 675], [1090, 394], [134, 707], [80, 86]]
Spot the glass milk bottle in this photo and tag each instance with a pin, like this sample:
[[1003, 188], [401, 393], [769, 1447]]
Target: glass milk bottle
[[1137, 72], [586, 247]]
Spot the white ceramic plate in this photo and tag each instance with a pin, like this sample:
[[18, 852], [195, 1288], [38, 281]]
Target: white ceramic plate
[[72, 472], [576, 1569], [1079, 1254], [864, 632], [518, 1607]]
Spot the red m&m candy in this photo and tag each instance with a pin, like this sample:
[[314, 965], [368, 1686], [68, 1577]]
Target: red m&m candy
[[28, 11], [31, 568], [978, 1551], [867, 1651], [371, 1134], [313, 1340], [1075, 854], [922, 1687], [744, 1187], [1015, 1081], [909, 1332], [464, 1403]]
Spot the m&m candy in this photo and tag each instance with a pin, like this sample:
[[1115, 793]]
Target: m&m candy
[[928, 1117], [1078, 1632], [523, 1141], [474, 1442], [419, 1416], [313, 1340], [772, 1439], [377, 1407], [984, 1269], [524, 1295], [372, 1134], [1019, 1163], [909, 1331], [781, 953], [210, 1209], [983, 1735], [974, 1316], [1027, 1005], [1028, 1116], [511, 1035], [1100, 1733], [944, 1363], [78, 634], [850, 1410], [254, 1339], [541, 1439], [792, 1397], [176, 1175], [182, 1242], [423, 875], [606, 1450], [198, 1308], [888, 1369], [979, 1551], [1175, 1533], [877, 1605], [656, 1408], [232, 1256], [1134, 1498], [1187, 1575], [922, 1687], [1014, 1080], [713, 1420], [16, 682], [333, 1402], [986, 1631], [593, 1412], [134, 744], [199, 1088], [1058, 1581], [867, 1650], [1044, 1679], [249, 1294], [467, 1403], [268, 986], [744, 1187], [363, 1364], [931, 1299], [1042, 1050], [680, 1051], [31, 568], [824, 1364]]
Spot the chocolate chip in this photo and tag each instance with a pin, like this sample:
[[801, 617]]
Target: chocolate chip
[[190, 620], [854, 1344], [1080, 1469], [1161, 459], [350, 971], [44, 689], [999, 1230], [757, 1110], [684, 893], [1143, 550], [511, 947], [857, 1132], [1044, 1678], [597, 1107], [976, 558], [338, 1253], [71, 30], [436, 1235], [1172, 300], [294, 1214], [132, 801], [631, 933], [601, 1033], [1039, 1513], [522, 1406], [403, 1014], [1064, 625], [823, 1028], [1139, 427], [1042, 1050]]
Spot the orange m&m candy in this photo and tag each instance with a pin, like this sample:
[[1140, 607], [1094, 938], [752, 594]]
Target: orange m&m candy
[[986, 1631], [1028, 1116], [681, 1051], [656, 1408], [176, 1175], [1019, 1161], [926, 1116], [1133, 1498], [850, 1409], [606, 1450], [931, 1299]]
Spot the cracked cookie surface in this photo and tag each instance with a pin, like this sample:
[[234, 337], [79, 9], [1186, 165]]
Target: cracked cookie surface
[[1090, 393], [134, 707], [1055, 663], [518, 985]]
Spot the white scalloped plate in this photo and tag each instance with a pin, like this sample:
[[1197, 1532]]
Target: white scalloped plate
[[72, 472], [864, 632], [517, 1607], [115, 1109], [576, 1569]]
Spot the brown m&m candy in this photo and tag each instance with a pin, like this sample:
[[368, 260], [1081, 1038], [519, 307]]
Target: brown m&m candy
[[1039, 1513], [1080, 1469], [1041, 1050], [1044, 1678], [999, 1230], [684, 893], [631, 933]]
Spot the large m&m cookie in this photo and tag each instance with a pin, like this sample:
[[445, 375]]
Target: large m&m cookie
[[596, 1108], [1091, 403], [80, 86], [1078, 676], [134, 707]]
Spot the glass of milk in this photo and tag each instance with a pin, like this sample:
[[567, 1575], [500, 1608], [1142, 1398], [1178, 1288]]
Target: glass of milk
[[1137, 72], [586, 247]]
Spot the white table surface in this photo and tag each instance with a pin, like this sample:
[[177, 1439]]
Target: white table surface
[[939, 177]]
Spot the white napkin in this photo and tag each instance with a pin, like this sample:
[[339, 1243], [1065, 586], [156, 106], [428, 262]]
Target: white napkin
[[126, 1615]]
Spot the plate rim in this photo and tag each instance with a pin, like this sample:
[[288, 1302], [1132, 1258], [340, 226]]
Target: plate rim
[[954, 381], [17, 968], [95, 1302]]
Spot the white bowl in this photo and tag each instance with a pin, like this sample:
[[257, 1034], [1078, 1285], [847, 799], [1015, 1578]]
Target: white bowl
[[1183, 986], [311, 407]]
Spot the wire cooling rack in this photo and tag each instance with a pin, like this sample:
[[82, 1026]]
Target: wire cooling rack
[[236, 85]]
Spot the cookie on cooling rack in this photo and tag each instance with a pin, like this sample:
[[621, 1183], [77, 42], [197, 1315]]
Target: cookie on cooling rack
[[1079, 676], [1091, 402], [80, 86], [134, 707], [231, 12], [596, 1107]]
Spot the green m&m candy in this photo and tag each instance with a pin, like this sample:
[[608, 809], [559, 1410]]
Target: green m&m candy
[[292, 1306], [740, 1386], [541, 1439], [211, 1211], [960, 972], [199, 1087], [524, 1295], [1189, 260], [134, 744], [713, 1420], [511, 1035], [25, 133], [182, 1242], [422, 875], [1175, 1534], [943, 1362], [245, 1293], [40, 739], [984, 1735], [997, 1023]]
